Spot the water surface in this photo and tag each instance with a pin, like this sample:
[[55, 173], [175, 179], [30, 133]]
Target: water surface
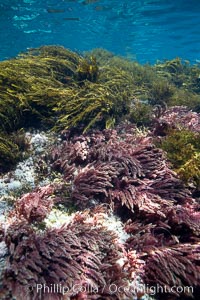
[[146, 30]]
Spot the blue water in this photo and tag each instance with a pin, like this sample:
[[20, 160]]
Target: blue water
[[146, 30]]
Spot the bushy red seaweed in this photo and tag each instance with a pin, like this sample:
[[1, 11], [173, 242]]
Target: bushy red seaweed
[[81, 255], [175, 117], [177, 266], [123, 170], [36, 205], [126, 170], [120, 169]]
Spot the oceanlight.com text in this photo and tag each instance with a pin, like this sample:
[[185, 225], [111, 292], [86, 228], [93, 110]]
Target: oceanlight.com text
[[111, 289]]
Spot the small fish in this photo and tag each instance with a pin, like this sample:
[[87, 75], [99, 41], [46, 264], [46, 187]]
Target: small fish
[[99, 8], [85, 2], [55, 11], [71, 19]]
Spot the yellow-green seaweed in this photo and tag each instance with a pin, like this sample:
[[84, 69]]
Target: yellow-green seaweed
[[9, 153], [56, 88], [183, 151]]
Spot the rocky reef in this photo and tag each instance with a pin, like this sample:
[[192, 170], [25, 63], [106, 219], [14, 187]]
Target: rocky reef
[[100, 177]]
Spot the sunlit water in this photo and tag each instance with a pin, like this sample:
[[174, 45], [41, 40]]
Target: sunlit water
[[144, 30]]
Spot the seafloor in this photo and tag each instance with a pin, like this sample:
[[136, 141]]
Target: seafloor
[[100, 177]]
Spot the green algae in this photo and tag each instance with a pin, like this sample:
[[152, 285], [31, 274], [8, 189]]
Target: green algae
[[183, 151], [141, 114], [9, 153], [52, 79], [30, 86], [53, 87], [13, 147], [173, 82], [104, 101]]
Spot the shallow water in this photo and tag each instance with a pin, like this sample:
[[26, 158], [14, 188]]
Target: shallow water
[[146, 30]]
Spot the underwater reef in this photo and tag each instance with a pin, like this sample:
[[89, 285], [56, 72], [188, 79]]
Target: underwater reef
[[114, 209]]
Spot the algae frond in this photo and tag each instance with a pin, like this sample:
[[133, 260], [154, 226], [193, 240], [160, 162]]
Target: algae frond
[[183, 151], [53, 87]]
